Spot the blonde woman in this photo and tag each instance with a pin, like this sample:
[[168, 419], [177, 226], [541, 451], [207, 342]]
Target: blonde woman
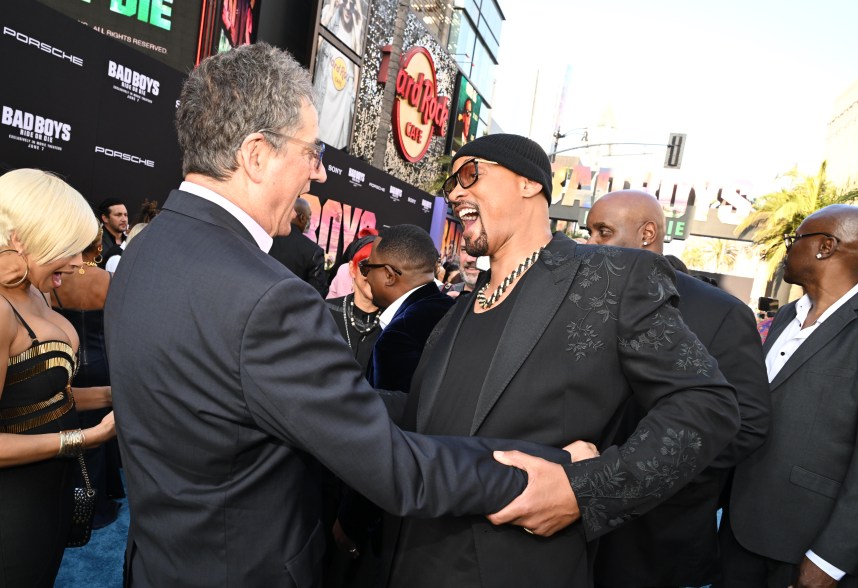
[[44, 226]]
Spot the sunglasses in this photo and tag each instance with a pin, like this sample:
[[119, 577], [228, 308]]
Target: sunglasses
[[466, 176], [316, 150], [789, 240], [364, 266]]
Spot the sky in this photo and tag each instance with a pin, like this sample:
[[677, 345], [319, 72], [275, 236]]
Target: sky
[[752, 83]]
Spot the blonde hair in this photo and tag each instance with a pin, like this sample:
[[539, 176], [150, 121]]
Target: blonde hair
[[134, 230], [50, 218]]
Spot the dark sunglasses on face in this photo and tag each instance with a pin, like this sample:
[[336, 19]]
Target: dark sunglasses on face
[[364, 266], [466, 176]]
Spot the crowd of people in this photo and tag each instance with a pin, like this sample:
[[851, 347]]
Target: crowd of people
[[576, 415]]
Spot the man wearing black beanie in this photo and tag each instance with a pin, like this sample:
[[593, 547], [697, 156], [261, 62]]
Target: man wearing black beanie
[[556, 340]]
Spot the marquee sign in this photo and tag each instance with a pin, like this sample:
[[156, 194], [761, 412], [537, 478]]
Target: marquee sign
[[418, 111]]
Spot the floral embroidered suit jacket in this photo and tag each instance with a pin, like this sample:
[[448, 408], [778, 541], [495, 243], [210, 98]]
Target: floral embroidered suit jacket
[[593, 328]]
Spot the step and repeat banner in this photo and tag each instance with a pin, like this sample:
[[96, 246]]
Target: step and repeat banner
[[100, 113], [87, 107], [357, 195]]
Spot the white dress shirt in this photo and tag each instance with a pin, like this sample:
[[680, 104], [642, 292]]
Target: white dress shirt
[[263, 239]]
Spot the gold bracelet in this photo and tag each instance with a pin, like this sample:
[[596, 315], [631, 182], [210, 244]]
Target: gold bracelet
[[71, 443]]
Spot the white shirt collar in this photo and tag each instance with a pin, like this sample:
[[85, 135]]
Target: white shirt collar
[[391, 310], [259, 235], [803, 306]]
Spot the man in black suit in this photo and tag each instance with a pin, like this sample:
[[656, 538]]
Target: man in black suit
[[298, 253], [230, 379], [676, 543], [793, 516], [400, 273], [554, 342]]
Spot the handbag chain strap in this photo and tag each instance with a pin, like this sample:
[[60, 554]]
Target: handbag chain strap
[[83, 470]]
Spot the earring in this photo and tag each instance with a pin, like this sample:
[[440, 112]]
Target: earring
[[646, 243], [818, 256], [26, 272]]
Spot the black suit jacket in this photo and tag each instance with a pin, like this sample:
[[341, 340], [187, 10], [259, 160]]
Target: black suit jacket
[[229, 381], [303, 257], [676, 544], [398, 349], [799, 491], [592, 327]]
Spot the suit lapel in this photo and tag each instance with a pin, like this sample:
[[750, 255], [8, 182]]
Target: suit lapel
[[817, 340], [542, 292]]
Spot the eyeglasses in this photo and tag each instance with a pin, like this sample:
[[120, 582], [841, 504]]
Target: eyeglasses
[[466, 176], [789, 240], [364, 266], [316, 150]]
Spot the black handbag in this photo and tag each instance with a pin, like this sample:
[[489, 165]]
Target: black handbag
[[84, 510]]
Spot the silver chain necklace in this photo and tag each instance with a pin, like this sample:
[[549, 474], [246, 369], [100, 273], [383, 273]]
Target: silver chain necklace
[[486, 303], [349, 318]]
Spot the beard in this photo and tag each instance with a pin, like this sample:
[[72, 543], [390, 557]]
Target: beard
[[479, 246]]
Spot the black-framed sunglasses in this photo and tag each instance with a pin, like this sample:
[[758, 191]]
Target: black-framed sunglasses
[[364, 266], [316, 150], [466, 176], [789, 240]]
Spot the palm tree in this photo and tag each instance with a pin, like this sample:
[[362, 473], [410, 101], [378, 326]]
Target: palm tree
[[780, 213], [710, 255]]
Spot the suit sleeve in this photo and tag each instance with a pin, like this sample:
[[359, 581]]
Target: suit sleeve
[[691, 411], [301, 385], [739, 351]]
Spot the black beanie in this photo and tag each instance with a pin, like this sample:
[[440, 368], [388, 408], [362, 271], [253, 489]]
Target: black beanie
[[516, 153]]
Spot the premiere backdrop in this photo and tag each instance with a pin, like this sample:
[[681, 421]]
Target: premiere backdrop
[[357, 195], [85, 106], [163, 29]]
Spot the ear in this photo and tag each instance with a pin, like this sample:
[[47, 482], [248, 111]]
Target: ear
[[529, 188], [253, 156], [16, 244], [390, 277], [649, 232], [826, 248]]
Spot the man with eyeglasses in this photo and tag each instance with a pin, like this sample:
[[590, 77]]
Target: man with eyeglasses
[[793, 516], [554, 342], [231, 382]]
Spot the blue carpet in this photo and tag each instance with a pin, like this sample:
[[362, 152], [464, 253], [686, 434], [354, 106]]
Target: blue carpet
[[98, 564]]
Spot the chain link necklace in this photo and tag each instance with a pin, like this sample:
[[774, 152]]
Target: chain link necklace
[[486, 303], [349, 318]]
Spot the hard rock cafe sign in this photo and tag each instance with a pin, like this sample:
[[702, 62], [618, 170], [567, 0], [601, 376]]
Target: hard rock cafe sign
[[418, 111]]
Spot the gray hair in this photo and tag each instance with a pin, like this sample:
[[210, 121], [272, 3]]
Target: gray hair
[[233, 94]]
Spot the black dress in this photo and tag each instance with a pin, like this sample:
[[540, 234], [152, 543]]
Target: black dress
[[102, 462], [36, 499]]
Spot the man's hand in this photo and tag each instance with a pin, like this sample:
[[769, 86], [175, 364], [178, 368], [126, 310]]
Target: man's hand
[[811, 576], [581, 450], [547, 505]]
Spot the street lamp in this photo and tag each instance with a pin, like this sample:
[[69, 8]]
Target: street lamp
[[558, 135]]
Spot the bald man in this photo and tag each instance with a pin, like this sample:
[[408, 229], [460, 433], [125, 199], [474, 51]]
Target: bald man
[[793, 517], [675, 544], [300, 254]]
